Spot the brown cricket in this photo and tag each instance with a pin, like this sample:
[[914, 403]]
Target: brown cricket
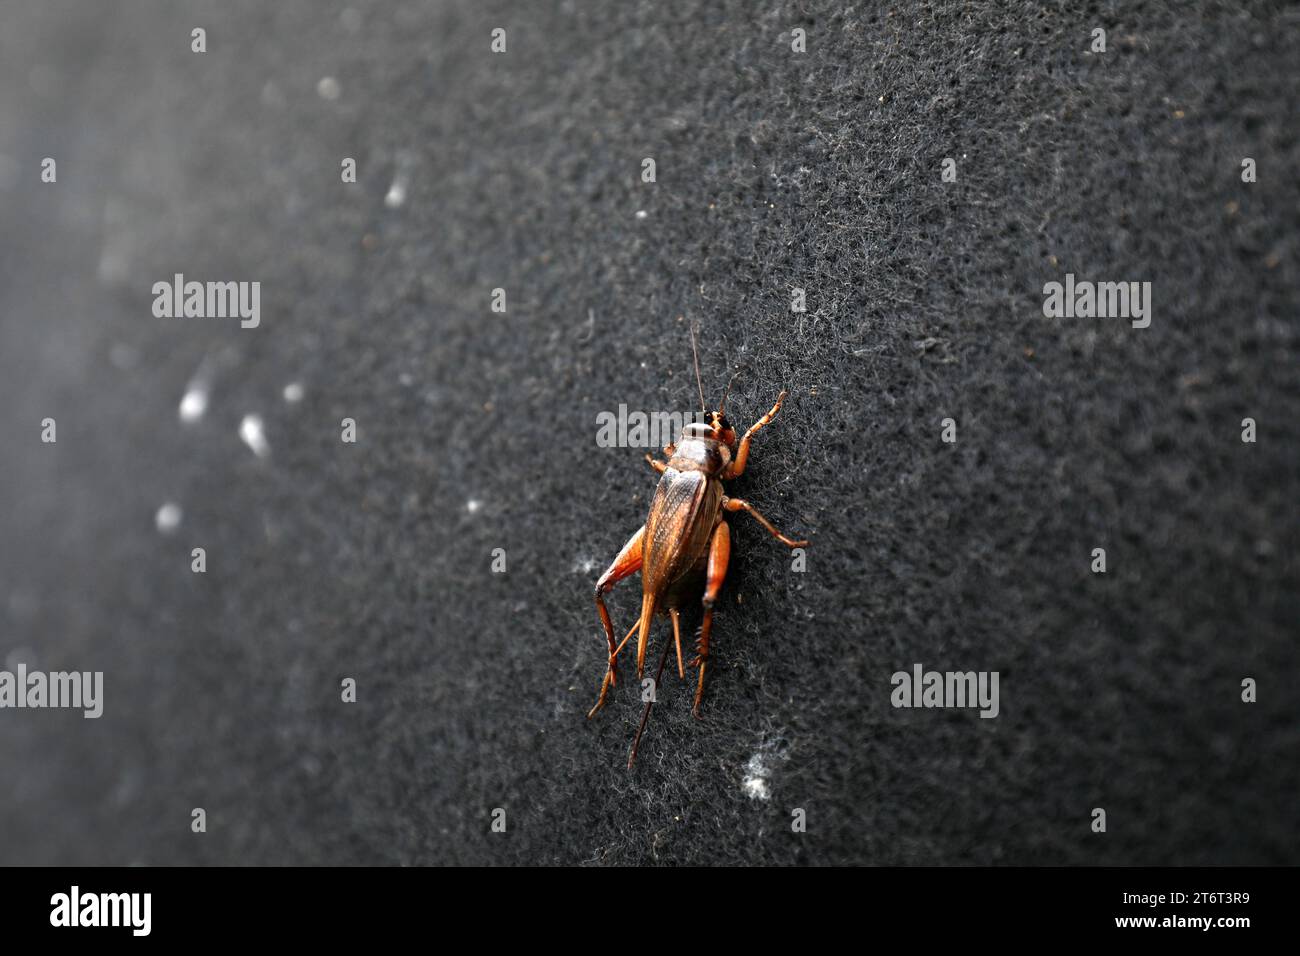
[[685, 543]]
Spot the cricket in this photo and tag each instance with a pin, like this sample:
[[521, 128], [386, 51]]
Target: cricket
[[684, 548]]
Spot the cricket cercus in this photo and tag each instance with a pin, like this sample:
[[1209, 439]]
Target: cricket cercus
[[685, 544]]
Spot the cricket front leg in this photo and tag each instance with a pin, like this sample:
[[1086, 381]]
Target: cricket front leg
[[662, 466], [719, 558], [626, 564], [737, 466]]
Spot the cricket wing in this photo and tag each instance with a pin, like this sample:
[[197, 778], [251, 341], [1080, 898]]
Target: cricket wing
[[682, 516]]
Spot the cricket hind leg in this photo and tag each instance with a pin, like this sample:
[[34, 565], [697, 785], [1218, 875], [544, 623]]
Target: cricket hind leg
[[625, 565], [719, 558]]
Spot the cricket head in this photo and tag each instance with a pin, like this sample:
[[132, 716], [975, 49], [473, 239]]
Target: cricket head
[[709, 444], [720, 429]]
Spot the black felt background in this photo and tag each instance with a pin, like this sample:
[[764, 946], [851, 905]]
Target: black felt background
[[775, 170]]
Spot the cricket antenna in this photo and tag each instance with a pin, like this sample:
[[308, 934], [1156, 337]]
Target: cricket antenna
[[696, 352], [645, 717], [723, 405]]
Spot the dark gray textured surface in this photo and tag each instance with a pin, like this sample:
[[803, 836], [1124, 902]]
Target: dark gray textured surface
[[774, 170]]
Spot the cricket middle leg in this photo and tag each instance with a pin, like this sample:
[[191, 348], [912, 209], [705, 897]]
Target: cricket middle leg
[[677, 639], [737, 504], [609, 673]]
